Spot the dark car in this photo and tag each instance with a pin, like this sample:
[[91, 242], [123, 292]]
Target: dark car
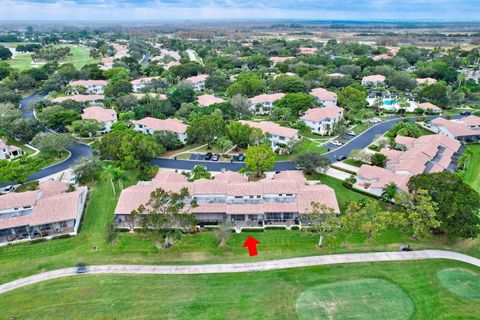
[[215, 157], [406, 248], [81, 268], [340, 158], [208, 156], [241, 157], [465, 113]]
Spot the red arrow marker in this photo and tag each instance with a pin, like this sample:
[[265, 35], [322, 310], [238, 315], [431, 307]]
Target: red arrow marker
[[251, 244]]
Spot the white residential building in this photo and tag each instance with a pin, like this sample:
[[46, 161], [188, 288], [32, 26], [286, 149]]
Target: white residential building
[[325, 97], [263, 104], [139, 84], [278, 135], [322, 120], [198, 82], [373, 80], [149, 125], [8, 152], [44, 213], [105, 116], [91, 86], [84, 98]]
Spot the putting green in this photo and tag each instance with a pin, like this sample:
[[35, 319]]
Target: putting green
[[357, 299], [461, 282]]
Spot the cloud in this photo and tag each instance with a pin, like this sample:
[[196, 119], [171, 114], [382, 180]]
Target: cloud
[[237, 9]]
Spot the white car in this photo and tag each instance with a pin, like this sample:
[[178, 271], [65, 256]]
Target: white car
[[375, 120], [336, 143]]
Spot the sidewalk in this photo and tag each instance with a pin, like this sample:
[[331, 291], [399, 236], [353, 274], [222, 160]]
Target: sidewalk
[[245, 267], [338, 174]]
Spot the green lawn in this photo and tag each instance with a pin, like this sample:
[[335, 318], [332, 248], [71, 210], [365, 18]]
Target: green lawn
[[80, 57], [306, 145], [355, 163], [472, 172], [258, 295]]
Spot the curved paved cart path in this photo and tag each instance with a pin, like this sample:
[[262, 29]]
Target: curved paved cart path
[[244, 267]]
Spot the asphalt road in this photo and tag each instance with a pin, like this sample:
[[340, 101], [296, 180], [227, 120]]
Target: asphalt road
[[81, 150], [77, 151], [243, 267]]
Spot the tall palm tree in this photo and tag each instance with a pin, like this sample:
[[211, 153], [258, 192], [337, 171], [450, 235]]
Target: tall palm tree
[[108, 174], [119, 176], [389, 192]]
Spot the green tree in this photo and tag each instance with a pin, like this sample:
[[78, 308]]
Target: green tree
[[289, 84], [165, 218], [419, 212], [389, 192], [311, 161], [200, 172], [246, 84], [259, 159], [87, 169], [459, 204], [323, 221], [5, 53], [168, 139], [243, 135], [86, 127], [182, 94], [52, 142], [223, 232], [296, 102], [379, 160], [114, 88], [206, 128]]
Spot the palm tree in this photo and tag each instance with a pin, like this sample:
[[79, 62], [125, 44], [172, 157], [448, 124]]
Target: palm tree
[[389, 192], [109, 174], [119, 176]]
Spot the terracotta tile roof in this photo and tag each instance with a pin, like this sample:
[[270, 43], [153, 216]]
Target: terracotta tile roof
[[16, 200], [306, 50], [429, 106], [207, 100], [457, 128], [80, 98], [198, 78], [170, 124], [272, 128], [323, 94], [374, 78], [271, 98], [320, 114], [209, 187], [49, 204], [100, 114], [321, 194], [406, 141], [294, 175], [471, 120], [160, 96], [278, 186], [169, 176], [426, 80], [382, 177], [381, 56], [230, 176], [144, 80], [85, 83], [280, 59]]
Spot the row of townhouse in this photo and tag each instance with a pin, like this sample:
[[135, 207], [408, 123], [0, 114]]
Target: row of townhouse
[[279, 136], [466, 129], [8, 152], [426, 154], [284, 200], [151, 125], [45, 213], [98, 86]]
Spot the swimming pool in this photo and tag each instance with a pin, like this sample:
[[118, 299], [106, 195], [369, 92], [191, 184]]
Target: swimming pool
[[389, 102]]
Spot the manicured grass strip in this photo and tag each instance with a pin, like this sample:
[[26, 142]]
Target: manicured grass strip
[[461, 282], [472, 172], [358, 299], [256, 295]]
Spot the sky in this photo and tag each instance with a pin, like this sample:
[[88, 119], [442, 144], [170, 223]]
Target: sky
[[466, 10]]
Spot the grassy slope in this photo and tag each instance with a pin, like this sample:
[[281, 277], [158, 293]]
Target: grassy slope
[[260, 295], [89, 246], [80, 57], [472, 174]]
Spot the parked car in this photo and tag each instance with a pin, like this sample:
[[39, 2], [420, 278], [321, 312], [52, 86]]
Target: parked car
[[73, 179], [7, 189], [241, 157], [341, 158], [216, 157], [465, 113], [375, 120], [81, 268], [351, 133], [406, 248], [208, 156], [336, 143]]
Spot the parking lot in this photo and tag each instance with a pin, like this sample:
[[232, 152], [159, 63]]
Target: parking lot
[[202, 157], [197, 156]]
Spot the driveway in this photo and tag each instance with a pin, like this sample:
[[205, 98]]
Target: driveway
[[244, 267]]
